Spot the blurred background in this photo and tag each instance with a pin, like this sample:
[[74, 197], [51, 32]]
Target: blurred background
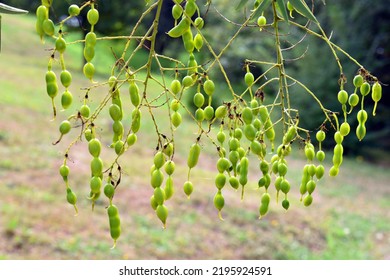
[[349, 218]]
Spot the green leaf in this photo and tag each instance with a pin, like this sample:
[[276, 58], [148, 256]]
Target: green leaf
[[302, 8], [261, 8], [282, 8], [5, 9], [241, 4]]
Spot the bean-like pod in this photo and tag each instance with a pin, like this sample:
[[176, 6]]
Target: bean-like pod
[[376, 95], [114, 222], [193, 155], [219, 202], [180, 28]]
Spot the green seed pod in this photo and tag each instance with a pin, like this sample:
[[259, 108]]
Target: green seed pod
[[66, 78], [208, 113], [320, 135], [285, 186], [223, 164], [180, 28], [169, 167], [209, 87], [234, 144], [109, 191], [89, 52], [249, 79], [265, 199], [220, 180], [255, 109], [376, 95], [310, 186], [199, 22], [308, 200], [93, 16], [175, 86], [136, 120], [188, 41], [199, 115], [221, 136], [238, 133], [282, 169], [320, 171], [64, 171], [159, 160], [115, 112], [365, 88], [257, 148], [97, 167], [85, 111], [198, 41], [190, 8], [74, 10], [90, 40], [153, 203], [263, 209], [47, 3], [361, 131], [42, 13], [344, 129], [51, 83], [162, 214], [60, 44], [234, 183], [66, 99], [338, 137], [234, 156], [188, 188], [71, 197], [175, 105], [320, 155], [131, 139], [48, 27], [221, 112], [198, 100], [176, 119], [247, 115], [311, 170], [119, 147], [219, 202], [264, 167], [65, 127], [362, 116], [89, 70], [342, 96], [193, 155], [333, 171], [88, 135], [261, 21], [117, 128], [358, 81], [157, 178], [134, 94], [177, 11], [159, 195], [192, 63], [168, 149], [169, 189], [95, 184], [309, 152], [250, 132], [290, 135], [285, 204], [353, 100], [94, 147], [114, 221]]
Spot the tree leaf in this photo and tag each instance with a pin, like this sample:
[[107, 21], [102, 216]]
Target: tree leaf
[[241, 4], [261, 8], [5, 9], [302, 8], [282, 8]]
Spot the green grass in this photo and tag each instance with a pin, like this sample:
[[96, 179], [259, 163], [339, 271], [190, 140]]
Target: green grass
[[348, 219]]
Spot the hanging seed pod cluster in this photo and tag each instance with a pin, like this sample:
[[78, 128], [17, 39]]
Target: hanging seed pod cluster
[[245, 130]]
